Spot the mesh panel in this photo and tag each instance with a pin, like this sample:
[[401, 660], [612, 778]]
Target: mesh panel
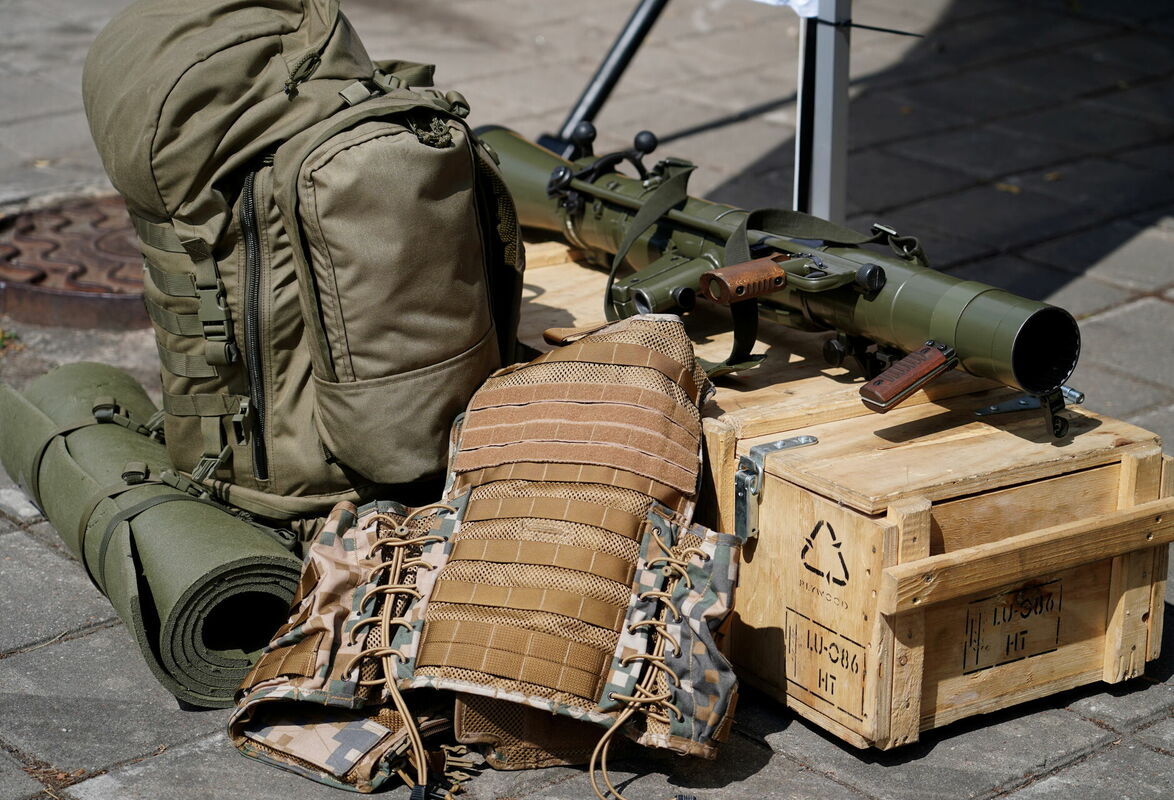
[[662, 337], [494, 682], [595, 374], [570, 533], [538, 577], [389, 718], [686, 541], [517, 745], [503, 720], [627, 500], [568, 628]]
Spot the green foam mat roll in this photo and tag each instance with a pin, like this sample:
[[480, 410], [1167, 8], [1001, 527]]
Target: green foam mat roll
[[200, 588]]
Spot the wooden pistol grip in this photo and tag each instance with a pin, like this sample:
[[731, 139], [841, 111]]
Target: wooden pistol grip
[[904, 378], [744, 281]]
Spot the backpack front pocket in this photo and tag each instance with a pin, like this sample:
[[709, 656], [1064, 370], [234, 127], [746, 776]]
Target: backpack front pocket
[[396, 285]]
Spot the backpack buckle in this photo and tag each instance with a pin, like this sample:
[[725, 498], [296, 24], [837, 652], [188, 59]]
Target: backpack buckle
[[208, 465]]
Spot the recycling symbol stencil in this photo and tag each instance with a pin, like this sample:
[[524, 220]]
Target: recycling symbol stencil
[[820, 552]]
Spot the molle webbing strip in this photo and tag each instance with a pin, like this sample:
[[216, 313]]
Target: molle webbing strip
[[514, 654], [176, 284], [159, 235], [573, 422], [179, 324], [582, 559], [186, 366], [556, 508], [616, 393], [574, 473], [681, 478], [529, 598], [201, 405], [628, 355], [613, 437], [296, 660]]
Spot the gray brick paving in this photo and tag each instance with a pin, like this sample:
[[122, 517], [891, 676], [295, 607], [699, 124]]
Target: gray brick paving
[[1159, 157], [14, 782], [1112, 187], [1160, 735], [987, 151], [207, 767], [975, 758], [1123, 253], [1080, 295], [1087, 128], [898, 114], [1125, 337], [1115, 392], [746, 769], [44, 594], [91, 702], [1158, 420], [1126, 707], [1127, 771], [879, 179], [999, 215], [1029, 146]]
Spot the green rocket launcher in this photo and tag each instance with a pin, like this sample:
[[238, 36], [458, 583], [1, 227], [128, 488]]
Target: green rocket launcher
[[900, 321]]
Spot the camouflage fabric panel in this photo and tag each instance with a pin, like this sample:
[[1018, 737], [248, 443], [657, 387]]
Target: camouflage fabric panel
[[644, 605], [708, 689], [313, 703]]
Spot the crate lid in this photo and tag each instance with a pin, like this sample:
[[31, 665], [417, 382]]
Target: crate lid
[[941, 450]]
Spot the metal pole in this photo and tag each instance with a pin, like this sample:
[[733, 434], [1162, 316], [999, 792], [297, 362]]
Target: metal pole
[[821, 135], [610, 70]]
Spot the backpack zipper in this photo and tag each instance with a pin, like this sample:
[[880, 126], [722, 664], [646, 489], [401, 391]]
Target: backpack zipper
[[250, 230]]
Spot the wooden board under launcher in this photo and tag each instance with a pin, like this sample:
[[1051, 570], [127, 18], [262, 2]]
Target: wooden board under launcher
[[923, 566]]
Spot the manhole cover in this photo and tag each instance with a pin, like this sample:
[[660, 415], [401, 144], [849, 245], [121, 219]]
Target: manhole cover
[[76, 265]]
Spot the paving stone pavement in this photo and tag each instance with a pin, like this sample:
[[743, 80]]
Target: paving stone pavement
[[1029, 144]]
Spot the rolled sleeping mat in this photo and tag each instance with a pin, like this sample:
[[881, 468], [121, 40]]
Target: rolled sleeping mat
[[200, 588]]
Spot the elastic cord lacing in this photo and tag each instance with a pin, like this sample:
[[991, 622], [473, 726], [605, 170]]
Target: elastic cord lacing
[[401, 548], [645, 698]]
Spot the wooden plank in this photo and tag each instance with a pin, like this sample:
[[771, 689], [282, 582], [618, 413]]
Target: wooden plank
[[841, 732], [1015, 642], [715, 506], [912, 518], [990, 516], [804, 608], [549, 253], [942, 451], [1130, 587], [986, 566], [878, 678], [1161, 570]]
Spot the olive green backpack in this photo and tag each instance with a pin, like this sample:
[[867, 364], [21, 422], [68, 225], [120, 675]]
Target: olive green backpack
[[332, 263]]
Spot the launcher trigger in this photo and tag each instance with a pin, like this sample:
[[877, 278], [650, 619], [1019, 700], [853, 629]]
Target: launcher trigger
[[908, 375]]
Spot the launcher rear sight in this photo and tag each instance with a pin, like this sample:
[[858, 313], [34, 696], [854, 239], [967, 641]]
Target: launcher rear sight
[[884, 307]]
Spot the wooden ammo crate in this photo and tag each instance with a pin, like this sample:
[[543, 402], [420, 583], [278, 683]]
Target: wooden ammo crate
[[925, 565]]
